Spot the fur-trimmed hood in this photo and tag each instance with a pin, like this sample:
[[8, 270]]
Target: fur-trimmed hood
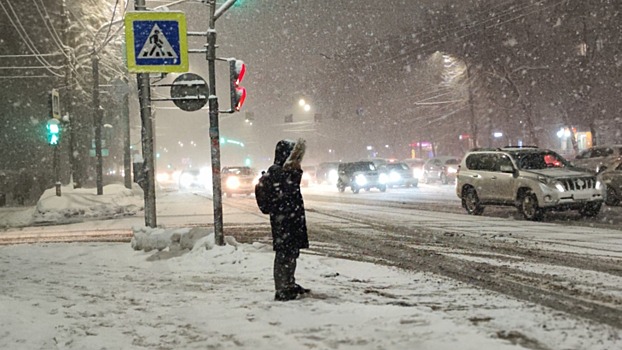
[[290, 153]]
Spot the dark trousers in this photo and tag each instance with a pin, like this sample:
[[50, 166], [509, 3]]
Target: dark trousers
[[284, 269]]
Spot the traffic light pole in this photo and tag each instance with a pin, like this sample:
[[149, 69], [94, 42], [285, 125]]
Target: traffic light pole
[[56, 162], [214, 133]]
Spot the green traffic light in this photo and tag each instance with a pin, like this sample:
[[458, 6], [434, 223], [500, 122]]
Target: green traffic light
[[53, 132]]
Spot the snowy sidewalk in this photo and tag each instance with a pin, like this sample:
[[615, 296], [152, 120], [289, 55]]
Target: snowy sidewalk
[[95, 296]]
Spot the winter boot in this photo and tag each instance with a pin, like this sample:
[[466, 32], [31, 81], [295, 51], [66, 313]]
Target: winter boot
[[301, 290], [286, 295]]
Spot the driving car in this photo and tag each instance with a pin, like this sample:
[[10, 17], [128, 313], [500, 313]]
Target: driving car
[[416, 165], [326, 173], [308, 175], [441, 169], [168, 179], [194, 178], [611, 176], [595, 157], [360, 175], [238, 180], [399, 175], [532, 179]]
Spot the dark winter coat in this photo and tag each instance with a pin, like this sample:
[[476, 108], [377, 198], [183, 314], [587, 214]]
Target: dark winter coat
[[289, 227]]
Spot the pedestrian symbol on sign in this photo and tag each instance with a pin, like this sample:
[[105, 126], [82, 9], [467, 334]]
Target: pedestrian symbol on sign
[[156, 42], [157, 45]]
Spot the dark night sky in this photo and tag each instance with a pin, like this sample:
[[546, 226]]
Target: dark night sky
[[284, 44]]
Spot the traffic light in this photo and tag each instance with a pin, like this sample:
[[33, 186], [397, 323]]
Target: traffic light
[[237, 69], [53, 131]]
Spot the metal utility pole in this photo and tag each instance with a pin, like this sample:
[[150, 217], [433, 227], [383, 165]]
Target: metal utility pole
[[68, 95], [127, 157], [97, 120], [144, 98]]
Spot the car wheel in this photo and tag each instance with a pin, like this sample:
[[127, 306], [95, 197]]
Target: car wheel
[[530, 208], [426, 179], [471, 203], [611, 198], [590, 210], [355, 189], [444, 180], [341, 188], [382, 188]]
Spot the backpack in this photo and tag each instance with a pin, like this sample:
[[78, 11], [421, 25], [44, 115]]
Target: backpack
[[265, 193]]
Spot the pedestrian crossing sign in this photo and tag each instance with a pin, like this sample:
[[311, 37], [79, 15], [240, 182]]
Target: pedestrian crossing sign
[[156, 42]]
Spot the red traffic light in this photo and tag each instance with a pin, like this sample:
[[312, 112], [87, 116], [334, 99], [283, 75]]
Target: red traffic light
[[237, 69]]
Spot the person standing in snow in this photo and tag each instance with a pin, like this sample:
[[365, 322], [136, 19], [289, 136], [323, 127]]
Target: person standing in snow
[[288, 223]]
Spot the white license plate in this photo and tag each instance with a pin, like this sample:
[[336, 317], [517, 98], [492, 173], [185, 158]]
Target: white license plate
[[582, 196]]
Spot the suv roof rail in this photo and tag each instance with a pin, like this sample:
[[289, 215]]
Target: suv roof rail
[[522, 146], [476, 149]]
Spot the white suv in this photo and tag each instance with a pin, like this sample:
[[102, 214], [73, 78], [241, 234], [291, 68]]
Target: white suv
[[532, 179]]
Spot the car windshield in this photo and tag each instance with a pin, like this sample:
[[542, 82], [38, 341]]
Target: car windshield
[[363, 166], [397, 166], [540, 160], [239, 171], [452, 162]]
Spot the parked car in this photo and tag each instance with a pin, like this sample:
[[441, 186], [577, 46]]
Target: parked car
[[360, 175], [326, 173], [416, 165], [611, 177], [399, 175], [595, 157], [532, 179], [441, 169], [238, 180]]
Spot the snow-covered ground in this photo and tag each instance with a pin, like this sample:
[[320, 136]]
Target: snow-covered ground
[[110, 296]]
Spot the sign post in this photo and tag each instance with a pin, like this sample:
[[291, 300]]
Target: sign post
[[155, 42]]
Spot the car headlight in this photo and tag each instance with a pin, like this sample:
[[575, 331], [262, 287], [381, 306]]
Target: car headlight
[[233, 183], [452, 170], [333, 176], [163, 177], [599, 185], [185, 180], [545, 180], [306, 177], [394, 176], [417, 173], [383, 178], [560, 187], [360, 180]]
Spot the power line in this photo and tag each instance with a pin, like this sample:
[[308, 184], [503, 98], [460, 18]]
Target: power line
[[24, 36], [30, 55], [46, 18], [26, 76], [33, 67]]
